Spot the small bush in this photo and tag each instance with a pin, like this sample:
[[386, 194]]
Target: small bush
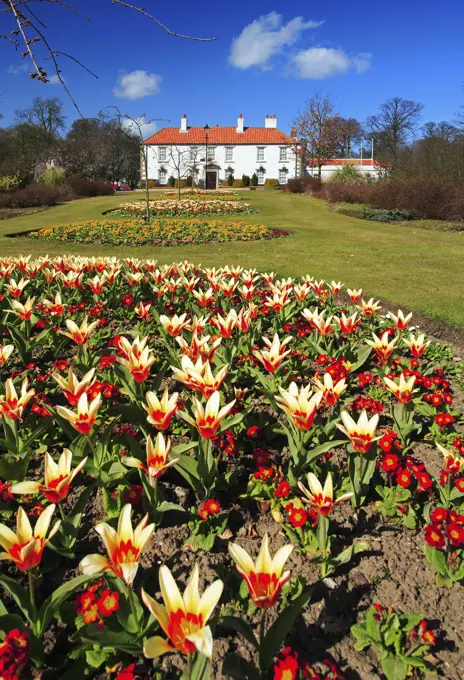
[[9, 182], [87, 188], [346, 192], [152, 184], [254, 180], [349, 173], [245, 180], [230, 180], [238, 183], [377, 215], [303, 185], [53, 176], [188, 181], [271, 182], [171, 181], [424, 198], [33, 196]]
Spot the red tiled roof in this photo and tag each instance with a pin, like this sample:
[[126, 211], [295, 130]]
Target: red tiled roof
[[220, 135], [350, 161]]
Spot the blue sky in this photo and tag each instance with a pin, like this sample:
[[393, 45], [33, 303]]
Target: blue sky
[[268, 58]]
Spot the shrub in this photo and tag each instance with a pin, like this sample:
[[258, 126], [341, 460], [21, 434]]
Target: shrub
[[188, 181], [238, 183], [33, 196], [423, 198], [245, 180], [171, 181], [377, 215], [9, 182], [88, 188], [349, 173], [303, 185], [53, 176], [230, 180], [271, 182], [254, 180], [152, 184], [346, 192]]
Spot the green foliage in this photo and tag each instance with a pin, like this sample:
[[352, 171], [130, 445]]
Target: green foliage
[[254, 180], [246, 180], [53, 176], [9, 182], [349, 173], [271, 182], [171, 181], [378, 215], [230, 180]]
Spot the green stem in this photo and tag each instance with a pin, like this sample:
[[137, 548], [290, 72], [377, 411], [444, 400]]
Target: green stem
[[189, 666], [132, 605], [262, 634], [63, 516], [31, 587]]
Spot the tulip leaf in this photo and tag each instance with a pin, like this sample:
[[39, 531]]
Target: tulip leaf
[[227, 424], [56, 599], [361, 357], [182, 448], [237, 668], [201, 669], [280, 629], [239, 626], [21, 597]]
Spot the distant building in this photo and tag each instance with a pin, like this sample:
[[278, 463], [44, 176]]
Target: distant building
[[236, 151], [368, 166]]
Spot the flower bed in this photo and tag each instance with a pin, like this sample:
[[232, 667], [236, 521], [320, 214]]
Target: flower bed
[[184, 208], [160, 417], [160, 233], [202, 195]]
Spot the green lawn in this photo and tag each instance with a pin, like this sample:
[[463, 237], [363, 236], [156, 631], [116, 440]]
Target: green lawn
[[414, 267]]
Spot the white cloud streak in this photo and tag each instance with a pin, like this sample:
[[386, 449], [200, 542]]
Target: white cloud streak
[[137, 85], [318, 63]]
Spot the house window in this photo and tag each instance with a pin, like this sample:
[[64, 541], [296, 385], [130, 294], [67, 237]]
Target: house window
[[211, 151], [162, 176], [282, 176], [162, 153], [260, 175], [260, 153], [283, 153], [229, 153], [193, 152]]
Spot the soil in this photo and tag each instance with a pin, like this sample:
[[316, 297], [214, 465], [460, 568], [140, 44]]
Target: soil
[[7, 213]]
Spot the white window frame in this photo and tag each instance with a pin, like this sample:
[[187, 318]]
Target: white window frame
[[163, 173], [162, 153], [283, 153], [282, 177], [261, 177], [211, 153], [229, 154], [193, 152], [260, 153]]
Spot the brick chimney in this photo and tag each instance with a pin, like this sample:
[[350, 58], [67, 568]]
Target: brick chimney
[[183, 123], [270, 122], [240, 124]]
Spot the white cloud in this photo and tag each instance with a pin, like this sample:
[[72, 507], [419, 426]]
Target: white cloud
[[54, 80], [318, 63], [137, 85], [21, 68], [148, 127], [264, 38]]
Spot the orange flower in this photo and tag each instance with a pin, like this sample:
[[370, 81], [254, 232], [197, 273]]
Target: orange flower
[[25, 546], [11, 405], [58, 478], [273, 357], [71, 387], [207, 420], [157, 458], [84, 419], [80, 334], [160, 413]]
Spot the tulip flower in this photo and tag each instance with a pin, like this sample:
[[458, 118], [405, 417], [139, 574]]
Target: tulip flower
[[355, 295], [160, 413], [321, 499], [25, 546], [301, 406], [157, 458], [264, 577], [174, 325], [273, 356], [79, 334], [335, 287], [97, 284], [417, 345], [369, 308], [322, 325], [204, 297], [57, 478], [15, 289], [11, 405], [24, 311], [183, 619], [199, 376], [225, 325], [124, 547], [71, 387], [138, 358], [5, 351], [199, 346], [71, 279], [143, 310], [400, 321], [55, 308], [453, 464], [382, 347], [207, 420], [403, 389], [362, 433], [301, 291], [83, 419], [277, 301], [349, 324], [330, 392]]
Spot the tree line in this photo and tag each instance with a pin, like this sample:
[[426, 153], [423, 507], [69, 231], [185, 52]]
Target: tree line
[[99, 148], [434, 150]]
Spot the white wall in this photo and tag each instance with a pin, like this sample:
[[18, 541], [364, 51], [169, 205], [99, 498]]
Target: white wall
[[245, 161], [328, 171]]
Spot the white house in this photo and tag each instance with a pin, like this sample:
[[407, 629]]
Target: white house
[[366, 166], [212, 154]]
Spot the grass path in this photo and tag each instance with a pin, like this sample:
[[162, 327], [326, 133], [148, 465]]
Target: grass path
[[418, 268]]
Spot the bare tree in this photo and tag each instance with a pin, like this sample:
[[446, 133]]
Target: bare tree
[[26, 32], [179, 159], [46, 114], [394, 124], [352, 134], [319, 129]]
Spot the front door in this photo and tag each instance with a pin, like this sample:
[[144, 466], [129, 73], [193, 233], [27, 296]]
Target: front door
[[211, 179]]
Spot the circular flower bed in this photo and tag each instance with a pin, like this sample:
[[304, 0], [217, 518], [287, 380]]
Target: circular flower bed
[[201, 195], [159, 233], [203, 468], [184, 208]]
